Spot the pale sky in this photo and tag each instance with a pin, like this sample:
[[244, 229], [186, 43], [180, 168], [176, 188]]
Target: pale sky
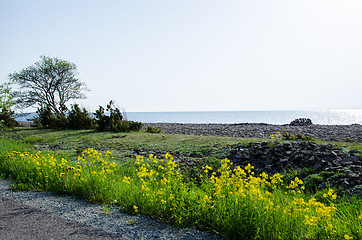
[[195, 55]]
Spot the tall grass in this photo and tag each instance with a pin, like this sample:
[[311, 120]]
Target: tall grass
[[235, 203]]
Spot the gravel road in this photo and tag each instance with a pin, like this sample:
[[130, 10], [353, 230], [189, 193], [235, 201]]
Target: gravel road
[[42, 215]]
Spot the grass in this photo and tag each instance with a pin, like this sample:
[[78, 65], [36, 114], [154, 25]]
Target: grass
[[70, 140], [236, 204], [192, 150]]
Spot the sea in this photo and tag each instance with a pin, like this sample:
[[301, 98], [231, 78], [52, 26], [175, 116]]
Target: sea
[[326, 117]]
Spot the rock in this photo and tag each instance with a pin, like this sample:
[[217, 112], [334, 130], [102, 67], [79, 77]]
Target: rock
[[301, 122], [353, 175], [285, 160]]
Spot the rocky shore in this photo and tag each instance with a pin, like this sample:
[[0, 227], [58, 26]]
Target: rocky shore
[[338, 133]]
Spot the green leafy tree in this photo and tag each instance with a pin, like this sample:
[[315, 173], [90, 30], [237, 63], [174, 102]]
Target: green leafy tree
[[51, 82], [6, 102]]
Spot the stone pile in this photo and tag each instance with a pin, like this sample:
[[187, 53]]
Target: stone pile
[[322, 165]]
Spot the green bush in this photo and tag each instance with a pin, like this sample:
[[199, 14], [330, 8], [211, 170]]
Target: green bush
[[76, 119], [298, 136], [151, 129], [127, 126], [107, 122], [114, 120], [48, 119], [79, 119], [312, 181], [7, 118]]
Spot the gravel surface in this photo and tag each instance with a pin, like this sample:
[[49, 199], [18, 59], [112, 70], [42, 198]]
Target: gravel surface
[[89, 221], [19, 221]]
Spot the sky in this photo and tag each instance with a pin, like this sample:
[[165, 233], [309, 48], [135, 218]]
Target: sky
[[195, 55]]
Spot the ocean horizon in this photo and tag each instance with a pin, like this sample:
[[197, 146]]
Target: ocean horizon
[[327, 117]]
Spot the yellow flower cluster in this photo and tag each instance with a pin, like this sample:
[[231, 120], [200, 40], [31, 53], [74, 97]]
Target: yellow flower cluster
[[322, 212], [347, 237], [135, 208], [276, 179], [277, 135], [240, 185], [207, 168], [159, 179], [207, 203], [330, 194], [228, 192], [244, 188], [295, 186], [59, 170], [98, 164]]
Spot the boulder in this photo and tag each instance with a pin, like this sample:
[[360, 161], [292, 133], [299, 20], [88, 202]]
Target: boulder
[[301, 122]]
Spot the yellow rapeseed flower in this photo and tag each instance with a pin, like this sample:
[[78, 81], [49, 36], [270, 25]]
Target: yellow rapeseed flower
[[172, 197], [264, 175], [207, 168], [126, 180], [249, 168], [329, 227], [276, 178], [135, 208]]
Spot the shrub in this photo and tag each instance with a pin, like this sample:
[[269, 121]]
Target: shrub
[[151, 129], [127, 126], [114, 120], [298, 136], [76, 119], [79, 119], [349, 140], [312, 181], [47, 119], [7, 119], [107, 122]]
